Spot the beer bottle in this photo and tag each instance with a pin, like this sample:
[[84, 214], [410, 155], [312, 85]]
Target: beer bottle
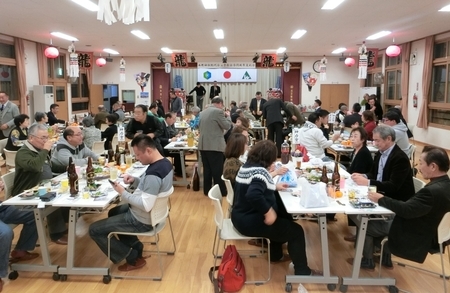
[[195, 179], [75, 119], [127, 150], [117, 155], [110, 153], [336, 177], [90, 174], [73, 178], [324, 177]]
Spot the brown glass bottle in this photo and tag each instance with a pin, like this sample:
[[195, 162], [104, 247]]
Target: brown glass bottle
[[195, 179], [73, 178], [110, 153], [117, 155], [336, 177], [90, 174], [75, 119], [127, 150], [324, 177]]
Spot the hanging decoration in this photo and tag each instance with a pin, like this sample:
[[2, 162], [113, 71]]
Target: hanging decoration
[[51, 52], [349, 61], [393, 51], [323, 68], [179, 60], [129, 11], [286, 66], [167, 67], [309, 79], [100, 62], [122, 70], [362, 63], [73, 63], [142, 79], [268, 60]]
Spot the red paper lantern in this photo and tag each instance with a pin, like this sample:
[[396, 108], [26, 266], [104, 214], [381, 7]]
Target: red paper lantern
[[393, 51], [349, 61], [100, 62], [51, 52]]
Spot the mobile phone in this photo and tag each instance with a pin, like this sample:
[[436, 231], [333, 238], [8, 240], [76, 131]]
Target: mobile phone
[[112, 182]]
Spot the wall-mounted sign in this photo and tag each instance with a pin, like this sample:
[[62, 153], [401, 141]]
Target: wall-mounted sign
[[227, 75], [226, 65]]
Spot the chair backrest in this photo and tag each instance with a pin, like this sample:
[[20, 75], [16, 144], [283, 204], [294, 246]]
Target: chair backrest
[[216, 196], [3, 143], [444, 228], [10, 157], [103, 126], [98, 147], [411, 151], [160, 210], [230, 191], [418, 184], [8, 180], [115, 141]]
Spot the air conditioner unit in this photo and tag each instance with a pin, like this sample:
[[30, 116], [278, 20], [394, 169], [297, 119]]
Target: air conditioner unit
[[42, 98]]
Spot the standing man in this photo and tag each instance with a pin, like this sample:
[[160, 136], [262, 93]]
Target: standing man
[[295, 112], [176, 104], [145, 124], [100, 117], [213, 123], [117, 109], [200, 92], [392, 175], [8, 110], [214, 91], [52, 120], [274, 120], [256, 105], [169, 135], [375, 107], [413, 231]]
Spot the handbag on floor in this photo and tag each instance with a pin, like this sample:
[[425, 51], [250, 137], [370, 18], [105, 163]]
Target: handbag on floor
[[231, 272]]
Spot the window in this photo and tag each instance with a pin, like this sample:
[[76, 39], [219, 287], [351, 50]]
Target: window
[[439, 104], [56, 67], [393, 81], [8, 72], [374, 75], [80, 94]]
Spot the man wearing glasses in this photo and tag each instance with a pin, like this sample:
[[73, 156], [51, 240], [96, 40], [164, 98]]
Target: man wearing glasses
[[71, 145]]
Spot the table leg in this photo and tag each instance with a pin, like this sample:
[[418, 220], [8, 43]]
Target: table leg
[[184, 181]]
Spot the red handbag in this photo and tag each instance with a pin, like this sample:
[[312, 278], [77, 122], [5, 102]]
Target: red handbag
[[231, 272]]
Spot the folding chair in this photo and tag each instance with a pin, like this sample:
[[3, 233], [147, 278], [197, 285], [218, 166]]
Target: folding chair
[[10, 159], [230, 195]]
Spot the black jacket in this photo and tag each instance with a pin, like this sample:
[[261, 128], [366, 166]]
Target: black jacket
[[272, 111], [361, 162], [254, 105], [108, 134], [53, 120]]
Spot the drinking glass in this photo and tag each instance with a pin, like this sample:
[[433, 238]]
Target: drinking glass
[[113, 173]]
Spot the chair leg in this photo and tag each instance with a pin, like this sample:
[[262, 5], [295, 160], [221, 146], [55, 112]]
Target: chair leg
[[161, 268], [173, 238], [443, 267], [383, 242], [214, 244]]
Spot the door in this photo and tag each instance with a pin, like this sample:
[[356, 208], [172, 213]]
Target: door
[[332, 95], [60, 94], [96, 97]]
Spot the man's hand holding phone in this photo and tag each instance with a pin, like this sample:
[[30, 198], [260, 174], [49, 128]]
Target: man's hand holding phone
[[117, 187]]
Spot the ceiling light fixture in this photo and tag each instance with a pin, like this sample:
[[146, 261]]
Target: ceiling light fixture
[[140, 34], [339, 50], [219, 34], [64, 36], [166, 50], [110, 51], [298, 34], [91, 6], [445, 9], [378, 35], [332, 4], [209, 4], [281, 50], [223, 50]]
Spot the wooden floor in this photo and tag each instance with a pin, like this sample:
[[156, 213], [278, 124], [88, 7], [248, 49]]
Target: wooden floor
[[187, 270]]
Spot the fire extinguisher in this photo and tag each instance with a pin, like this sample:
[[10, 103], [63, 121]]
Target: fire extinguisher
[[415, 101]]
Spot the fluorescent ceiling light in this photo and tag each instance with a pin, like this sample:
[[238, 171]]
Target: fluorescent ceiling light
[[218, 34], [378, 35], [87, 4], [166, 50], [281, 50], [223, 50], [111, 51], [140, 34], [209, 4], [332, 4], [445, 8], [64, 36], [298, 34], [339, 50]]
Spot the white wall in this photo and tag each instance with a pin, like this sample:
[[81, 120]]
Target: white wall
[[31, 68]]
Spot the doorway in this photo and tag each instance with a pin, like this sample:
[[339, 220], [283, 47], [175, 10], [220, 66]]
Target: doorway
[[110, 95], [332, 95]]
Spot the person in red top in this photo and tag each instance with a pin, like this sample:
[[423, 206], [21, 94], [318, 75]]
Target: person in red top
[[368, 119]]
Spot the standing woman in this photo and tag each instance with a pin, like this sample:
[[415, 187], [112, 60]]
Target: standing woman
[[255, 210], [18, 133]]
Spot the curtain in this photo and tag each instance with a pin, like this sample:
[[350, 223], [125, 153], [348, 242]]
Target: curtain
[[422, 121], [235, 91], [22, 77], [406, 51], [42, 64]]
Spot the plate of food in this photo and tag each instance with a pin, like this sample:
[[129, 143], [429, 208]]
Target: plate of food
[[28, 195], [101, 173]]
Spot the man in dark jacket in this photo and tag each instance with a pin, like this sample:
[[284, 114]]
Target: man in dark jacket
[[54, 108], [257, 104], [414, 230]]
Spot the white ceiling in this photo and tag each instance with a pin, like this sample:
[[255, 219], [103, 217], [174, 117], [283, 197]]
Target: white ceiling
[[250, 25]]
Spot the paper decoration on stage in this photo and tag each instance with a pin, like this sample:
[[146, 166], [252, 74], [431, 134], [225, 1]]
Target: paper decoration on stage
[[309, 79], [179, 60], [142, 79], [274, 93], [362, 64], [73, 62], [323, 68], [268, 60], [122, 70]]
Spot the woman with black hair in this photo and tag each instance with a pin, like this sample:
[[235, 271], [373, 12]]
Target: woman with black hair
[[19, 133]]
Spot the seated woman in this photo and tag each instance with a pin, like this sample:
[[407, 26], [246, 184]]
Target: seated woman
[[255, 210], [90, 132], [18, 133], [109, 132], [361, 158], [236, 146], [369, 123]]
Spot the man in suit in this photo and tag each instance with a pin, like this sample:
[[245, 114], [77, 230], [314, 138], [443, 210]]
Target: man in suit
[[170, 134], [257, 104], [392, 175], [413, 231], [317, 105], [274, 120], [8, 110], [52, 120], [214, 91], [213, 123]]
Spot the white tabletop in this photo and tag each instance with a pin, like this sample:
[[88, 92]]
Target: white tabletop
[[341, 148], [179, 145]]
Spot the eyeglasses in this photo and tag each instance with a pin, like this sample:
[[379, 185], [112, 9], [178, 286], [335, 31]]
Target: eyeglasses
[[45, 138]]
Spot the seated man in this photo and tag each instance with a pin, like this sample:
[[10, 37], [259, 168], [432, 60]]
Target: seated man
[[392, 174], [392, 119], [247, 114], [169, 135], [413, 231], [354, 120], [153, 111], [71, 145], [311, 136], [27, 239], [134, 216]]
